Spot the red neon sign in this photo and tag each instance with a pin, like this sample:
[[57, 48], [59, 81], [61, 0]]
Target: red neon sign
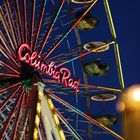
[[63, 75]]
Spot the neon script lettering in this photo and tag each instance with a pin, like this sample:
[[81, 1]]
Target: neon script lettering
[[62, 75]]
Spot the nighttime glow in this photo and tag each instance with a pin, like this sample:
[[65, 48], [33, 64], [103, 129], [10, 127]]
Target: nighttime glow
[[136, 94], [62, 75], [130, 100], [133, 93]]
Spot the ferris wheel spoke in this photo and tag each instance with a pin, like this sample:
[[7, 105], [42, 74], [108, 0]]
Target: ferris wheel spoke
[[23, 124], [8, 75], [90, 119], [6, 44], [11, 115], [9, 67], [39, 24], [9, 87], [11, 59], [11, 22], [9, 97], [68, 43], [56, 37], [55, 86], [7, 29], [32, 21], [101, 87], [69, 47], [15, 129], [51, 27], [41, 133], [69, 127], [84, 54], [70, 29], [18, 17], [24, 20], [61, 57], [46, 20]]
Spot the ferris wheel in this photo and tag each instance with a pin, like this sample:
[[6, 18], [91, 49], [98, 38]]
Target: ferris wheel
[[48, 64]]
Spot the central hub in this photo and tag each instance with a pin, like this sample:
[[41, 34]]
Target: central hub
[[26, 71]]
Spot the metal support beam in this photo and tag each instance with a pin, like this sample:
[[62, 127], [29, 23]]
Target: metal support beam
[[117, 55]]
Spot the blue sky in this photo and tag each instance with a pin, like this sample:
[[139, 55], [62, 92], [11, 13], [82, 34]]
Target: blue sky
[[127, 21]]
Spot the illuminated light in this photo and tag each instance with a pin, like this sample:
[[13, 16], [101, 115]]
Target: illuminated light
[[35, 134], [39, 95], [62, 75], [37, 119], [130, 106], [133, 94], [136, 94], [56, 119], [50, 103], [35, 131], [62, 135], [38, 107], [38, 111], [130, 99]]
